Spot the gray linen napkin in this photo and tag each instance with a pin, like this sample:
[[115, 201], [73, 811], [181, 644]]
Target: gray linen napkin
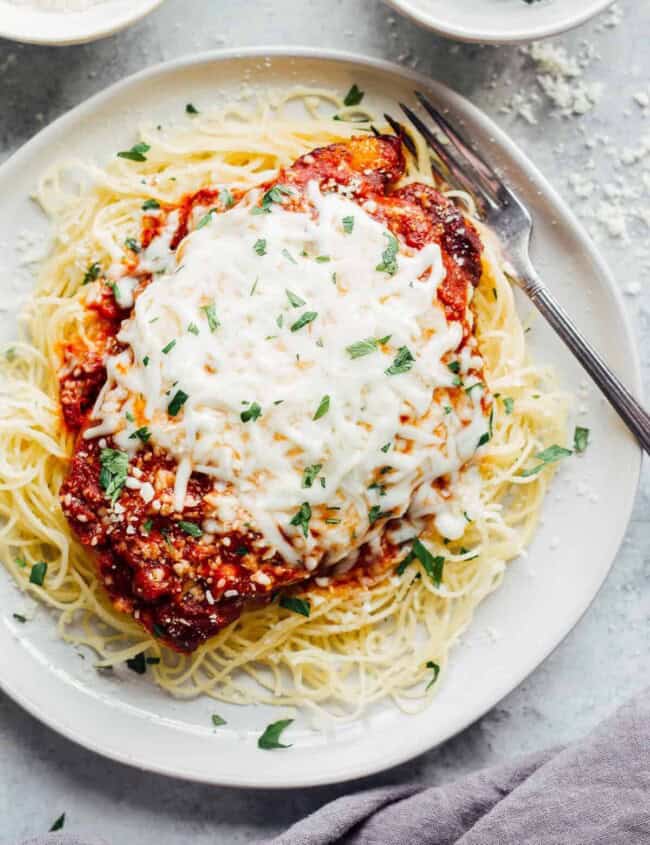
[[595, 792]]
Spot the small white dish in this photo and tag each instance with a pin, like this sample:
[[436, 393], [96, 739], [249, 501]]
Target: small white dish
[[33, 25], [499, 21]]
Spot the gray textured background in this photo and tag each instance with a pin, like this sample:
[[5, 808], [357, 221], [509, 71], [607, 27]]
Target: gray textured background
[[606, 658]]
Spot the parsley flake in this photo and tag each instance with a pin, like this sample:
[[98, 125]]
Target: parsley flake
[[547, 456], [92, 273], [403, 362], [143, 434], [37, 573], [190, 528], [58, 824], [114, 469], [296, 605], [508, 404], [310, 474], [260, 246], [270, 739], [210, 312], [218, 721], [436, 671], [348, 225], [168, 348], [193, 328], [354, 96], [177, 402], [190, 108], [150, 205], [304, 320], [580, 439], [295, 301], [252, 413], [301, 519], [323, 408], [226, 198], [389, 256], [136, 153]]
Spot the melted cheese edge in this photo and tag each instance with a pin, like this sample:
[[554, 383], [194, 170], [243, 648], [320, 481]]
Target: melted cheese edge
[[258, 355]]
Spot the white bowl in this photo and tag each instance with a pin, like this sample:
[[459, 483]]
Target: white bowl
[[500, 21], [35, 26]]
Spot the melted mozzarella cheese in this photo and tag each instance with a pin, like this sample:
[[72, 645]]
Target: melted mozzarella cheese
[[291, 292]]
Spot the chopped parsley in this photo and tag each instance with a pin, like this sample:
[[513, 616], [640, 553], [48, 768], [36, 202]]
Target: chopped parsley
[[433, 566], [146, 527], [270, 739], [37, 573], [310, 474], [137, 664], [508, 404], [210, 312], [193, 328], [254, 286], [19, 618], [454, 366], [168, 348], [389, 256], [323, 408], [145, 360], [136, 153], [274, 195], [132, 244], [190, 528], [295, 605], [289, 256], [469, 389], [260, 246], [386, 447], [295, 301], [150, 205], [58, 823], [354, 96], [301, 519], [205, 219], [92, 273], [380, 488], [376, 513], [348, 225], [226, 198], [403, 362], [365, 347], [218, 721], [143, 434], [304, 320], [322, 259], [252, 413], [580, 439], [436, 671], [178, 400], [190, 108], [547, 456], [10, 354], [112, 476]]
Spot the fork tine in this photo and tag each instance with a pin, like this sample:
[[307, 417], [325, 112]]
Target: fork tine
[[490, 180], [454, 172], [403, 135]]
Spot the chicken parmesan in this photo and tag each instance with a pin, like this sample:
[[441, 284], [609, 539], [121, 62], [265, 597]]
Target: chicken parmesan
[[286, 376], [275, 434]]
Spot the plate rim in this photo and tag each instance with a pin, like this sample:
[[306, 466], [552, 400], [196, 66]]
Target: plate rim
[[357, 770], [438, 25], [96, 34]]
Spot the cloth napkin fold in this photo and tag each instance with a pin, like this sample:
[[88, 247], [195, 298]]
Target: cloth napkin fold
[[594, 792]]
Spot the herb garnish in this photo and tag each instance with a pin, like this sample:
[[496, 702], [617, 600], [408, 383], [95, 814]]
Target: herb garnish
[[376, 513], [218, 721], [433, 566], [92, 273], [179, 399], [436, 671], [136, 153], [275, 194], [508, 404], [547, 456], [112, 476], [226, 198], [402, 363], [323, 408], [289, 256], [354, 96], [389, 256], [137, 664], [260, 246], [132, 244], [300, 606], [168, 347], [252, 413], [147, 526], [304, 320], [295, 301], [365, 347], [270, 739], [310, 474], [193, 328], [322, 259], [301, 519], [58, 824], [348, 225], [143, 434], [190, 528], [210, 312], [19, 617], [190, 108], [580, 439], [150, 205]]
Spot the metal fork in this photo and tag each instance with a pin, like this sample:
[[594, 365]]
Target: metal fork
[[501, 209]]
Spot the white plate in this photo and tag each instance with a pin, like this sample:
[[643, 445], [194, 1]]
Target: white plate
[[33, 26], [543, 596], [500, 21]]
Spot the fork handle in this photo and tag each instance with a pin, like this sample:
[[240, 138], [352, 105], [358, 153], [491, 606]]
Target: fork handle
[[629, 409]]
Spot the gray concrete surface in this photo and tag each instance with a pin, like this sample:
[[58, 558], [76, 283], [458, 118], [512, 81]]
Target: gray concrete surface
[[605, 659]]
